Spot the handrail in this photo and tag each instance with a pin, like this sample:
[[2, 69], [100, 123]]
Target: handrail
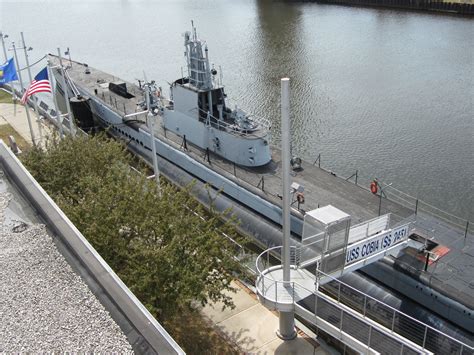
[[262, 125], [265, 283], [392, 308]]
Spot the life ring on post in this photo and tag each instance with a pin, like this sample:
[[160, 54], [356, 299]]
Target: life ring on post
[[300, 198], [374, 187]]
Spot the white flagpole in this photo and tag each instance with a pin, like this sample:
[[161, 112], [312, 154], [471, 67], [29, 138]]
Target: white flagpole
[[35, 104], [22, 89], [55, 100], [72, 126]]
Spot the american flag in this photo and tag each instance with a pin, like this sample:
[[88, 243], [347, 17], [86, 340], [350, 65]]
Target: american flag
[[39, 84]]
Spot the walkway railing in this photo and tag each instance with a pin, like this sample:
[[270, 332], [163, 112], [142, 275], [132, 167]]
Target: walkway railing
[[415, 204], [398, 322], [345, 309], [371, 227], [276, 291]]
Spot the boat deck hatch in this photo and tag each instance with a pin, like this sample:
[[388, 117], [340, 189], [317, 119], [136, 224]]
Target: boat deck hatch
[[431, 250], [120, 88]]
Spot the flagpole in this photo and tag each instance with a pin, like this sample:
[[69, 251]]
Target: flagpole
[[22, 89], [35, 104], [2, 36], [66, 95]]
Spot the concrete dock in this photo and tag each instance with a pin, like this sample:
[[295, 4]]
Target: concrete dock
[[15, 116], [252, 327]]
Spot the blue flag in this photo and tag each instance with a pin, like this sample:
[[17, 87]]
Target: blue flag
[[8, 72]]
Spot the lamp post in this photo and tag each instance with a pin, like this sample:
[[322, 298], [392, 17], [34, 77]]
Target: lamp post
[[22, 89], [72, 126], [150, 118], [35, 104]]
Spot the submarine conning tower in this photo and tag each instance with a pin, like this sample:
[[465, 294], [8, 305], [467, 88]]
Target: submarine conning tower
[[199, 70]]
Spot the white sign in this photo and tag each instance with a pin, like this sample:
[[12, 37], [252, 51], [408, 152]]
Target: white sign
[[373, 245]]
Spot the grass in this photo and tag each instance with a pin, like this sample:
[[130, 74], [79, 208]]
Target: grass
[[5, 98], [7, 130]]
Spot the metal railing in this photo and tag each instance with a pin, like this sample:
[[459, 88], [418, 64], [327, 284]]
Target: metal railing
[[261, 125], [391, 193], [370, 321], [413, 203], [279, 292], [398, 322], [371, 227]]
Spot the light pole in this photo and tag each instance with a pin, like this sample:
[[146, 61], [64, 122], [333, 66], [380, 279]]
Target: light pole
[[150, 118], [72, 125], [35, 104], [2, 37], [22, 89]]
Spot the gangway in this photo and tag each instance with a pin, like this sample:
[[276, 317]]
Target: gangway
[[360, 321], [330, 249]]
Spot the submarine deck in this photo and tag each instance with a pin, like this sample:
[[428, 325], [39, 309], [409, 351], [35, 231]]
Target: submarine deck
[[451, 272]]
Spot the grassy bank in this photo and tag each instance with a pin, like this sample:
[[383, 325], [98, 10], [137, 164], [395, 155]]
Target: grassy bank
[[5, 98], [6, 130]]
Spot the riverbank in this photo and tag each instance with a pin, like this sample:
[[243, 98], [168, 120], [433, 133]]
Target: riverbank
[[461, 7]]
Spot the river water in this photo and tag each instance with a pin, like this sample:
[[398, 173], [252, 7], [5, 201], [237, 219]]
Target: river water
[[389, 93]]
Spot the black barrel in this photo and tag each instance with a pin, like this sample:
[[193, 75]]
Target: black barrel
[[81, 110]]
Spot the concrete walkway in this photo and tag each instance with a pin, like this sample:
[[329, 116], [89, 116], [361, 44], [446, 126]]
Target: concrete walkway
[[252, 327], [15, 115]]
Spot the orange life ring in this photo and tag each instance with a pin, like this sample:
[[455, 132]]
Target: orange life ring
[[373, 187], [300, 198]]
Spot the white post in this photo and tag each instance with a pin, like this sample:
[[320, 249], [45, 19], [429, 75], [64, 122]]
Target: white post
[[2, 37], [56, 108], [150, 119], [22, 89], [35, 105], [72, 126], [285, 162], [287, 319]]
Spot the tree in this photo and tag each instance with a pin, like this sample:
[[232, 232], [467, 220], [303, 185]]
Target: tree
[[169, 251]]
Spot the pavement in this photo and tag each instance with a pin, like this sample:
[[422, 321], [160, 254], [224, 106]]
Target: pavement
[[15, 115], [252, 327]]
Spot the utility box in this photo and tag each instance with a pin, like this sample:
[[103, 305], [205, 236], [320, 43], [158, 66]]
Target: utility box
[[326, 232]]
